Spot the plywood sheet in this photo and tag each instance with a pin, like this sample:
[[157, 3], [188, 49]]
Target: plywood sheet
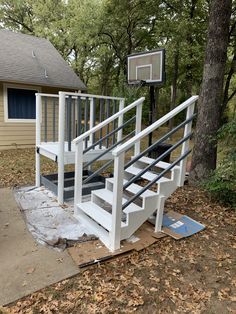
[[88, 253]]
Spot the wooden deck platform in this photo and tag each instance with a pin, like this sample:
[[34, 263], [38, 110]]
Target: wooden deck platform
[[51, 151]]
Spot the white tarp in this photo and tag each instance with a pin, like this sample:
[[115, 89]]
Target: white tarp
[[49, 222]]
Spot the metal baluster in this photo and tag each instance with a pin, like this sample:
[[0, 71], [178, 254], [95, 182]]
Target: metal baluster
[[114, 121], [94, 118], [69, 103], [45, 119], [107, 116], [54, 120], [86, 104], [100, 119], [79, 114], [73, 118]]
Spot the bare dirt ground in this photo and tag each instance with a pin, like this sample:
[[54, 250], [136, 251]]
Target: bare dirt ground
[[193, 275]]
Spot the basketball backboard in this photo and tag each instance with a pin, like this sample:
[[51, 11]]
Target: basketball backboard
[[148, 67]]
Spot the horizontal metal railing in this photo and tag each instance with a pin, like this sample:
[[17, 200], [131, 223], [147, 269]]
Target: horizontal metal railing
[[109, 134], [161, 157], [80, 114], [113, 139], [158, 177], [120, 166], [101, 155], [160, 141], [109, 120], [137, 138]]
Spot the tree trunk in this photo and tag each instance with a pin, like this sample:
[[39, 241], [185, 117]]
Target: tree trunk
[[209, 104], [226, 97]]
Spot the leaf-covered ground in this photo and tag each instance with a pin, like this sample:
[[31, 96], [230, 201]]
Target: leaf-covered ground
[[193, 275], [17, 167]]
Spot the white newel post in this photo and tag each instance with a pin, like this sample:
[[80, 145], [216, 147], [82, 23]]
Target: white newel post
[[78, 173], [185, 146], [61, 139], [138, 128], [120, 121], [38, 138], [117, 202]]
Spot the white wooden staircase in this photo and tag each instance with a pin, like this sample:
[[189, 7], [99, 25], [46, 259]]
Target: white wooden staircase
[[138, 188]]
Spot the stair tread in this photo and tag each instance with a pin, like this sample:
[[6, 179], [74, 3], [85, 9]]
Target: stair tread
[[134, 188], [107, 196], [148, 175], [98, 214], [161, 164]]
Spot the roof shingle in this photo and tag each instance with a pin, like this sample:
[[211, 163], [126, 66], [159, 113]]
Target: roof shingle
[[32, 60]]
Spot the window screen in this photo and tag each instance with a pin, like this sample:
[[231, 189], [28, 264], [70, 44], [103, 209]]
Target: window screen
[[21, 103]]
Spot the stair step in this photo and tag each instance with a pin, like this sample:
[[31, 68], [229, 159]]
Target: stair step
[[107, 196], [134, 188], [147, 176], [160, 164], [97, 213]]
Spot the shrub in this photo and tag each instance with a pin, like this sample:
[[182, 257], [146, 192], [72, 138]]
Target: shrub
[[222, 183]]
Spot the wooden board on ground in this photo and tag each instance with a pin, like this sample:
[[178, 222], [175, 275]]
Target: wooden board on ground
[[89, 253]]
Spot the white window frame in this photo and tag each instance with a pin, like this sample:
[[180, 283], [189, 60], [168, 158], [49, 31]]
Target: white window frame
[[5, 100]]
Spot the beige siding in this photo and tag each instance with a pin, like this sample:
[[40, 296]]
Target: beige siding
[[18, 134]]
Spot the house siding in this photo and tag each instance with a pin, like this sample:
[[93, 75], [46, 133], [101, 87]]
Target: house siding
[[20, 135]]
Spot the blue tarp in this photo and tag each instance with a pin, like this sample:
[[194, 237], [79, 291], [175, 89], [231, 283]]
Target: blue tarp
[[180, 226]]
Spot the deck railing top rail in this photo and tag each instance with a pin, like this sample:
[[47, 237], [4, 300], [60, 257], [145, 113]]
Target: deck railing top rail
[[124, 147], [90, 96], [108, 120], [82, 95]]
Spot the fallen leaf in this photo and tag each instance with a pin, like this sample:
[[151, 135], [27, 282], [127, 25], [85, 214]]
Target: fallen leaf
[[30, 270]]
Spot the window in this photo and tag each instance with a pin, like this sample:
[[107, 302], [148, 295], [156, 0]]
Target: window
[[20, 103]]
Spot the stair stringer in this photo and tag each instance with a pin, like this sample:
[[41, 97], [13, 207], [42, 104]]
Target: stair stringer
[[165, 190], [135, 219], [150, 205]]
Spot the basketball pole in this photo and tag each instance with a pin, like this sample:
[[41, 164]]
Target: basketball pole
[[151, 107]]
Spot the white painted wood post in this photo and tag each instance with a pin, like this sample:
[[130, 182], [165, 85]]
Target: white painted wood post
[[159, 213], [185, 146], [38, 138], [61, 139], [138, 128], [78, 173], [120, 120], [117, 202]]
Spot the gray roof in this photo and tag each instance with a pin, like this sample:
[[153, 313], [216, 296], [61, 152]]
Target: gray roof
[[32, 60]]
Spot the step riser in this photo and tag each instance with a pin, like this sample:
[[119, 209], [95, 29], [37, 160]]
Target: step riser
[[142, 165], [109, 185], [131, 189], [94, 228]]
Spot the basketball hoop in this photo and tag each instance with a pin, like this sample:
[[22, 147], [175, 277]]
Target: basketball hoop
[[147, 69], [137, 83]]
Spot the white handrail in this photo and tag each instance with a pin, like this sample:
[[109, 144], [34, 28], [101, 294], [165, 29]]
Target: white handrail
[[47, 95], [81, 95], [93, 96], [108, 120], [124, 147]]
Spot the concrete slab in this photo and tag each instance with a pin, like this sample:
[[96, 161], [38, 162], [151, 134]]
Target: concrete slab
[[25, 266]]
